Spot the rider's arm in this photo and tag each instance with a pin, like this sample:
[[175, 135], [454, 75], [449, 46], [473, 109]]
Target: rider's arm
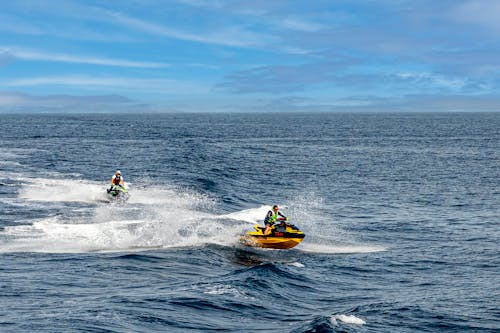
[[269, 217]]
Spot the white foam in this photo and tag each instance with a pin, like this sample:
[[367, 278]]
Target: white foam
[[9, 164], [225, 289], [14, 153], [297, 264], [173, 197], [62, 190], [69, 190], [154, 216], [252, 215], [50, 235], [118, 228], [340, 249], [347, 319]]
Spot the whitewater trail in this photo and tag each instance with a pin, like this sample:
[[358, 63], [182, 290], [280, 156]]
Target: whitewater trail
[[154, 217]]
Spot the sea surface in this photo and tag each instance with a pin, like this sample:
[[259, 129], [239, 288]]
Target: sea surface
[[401, 214]]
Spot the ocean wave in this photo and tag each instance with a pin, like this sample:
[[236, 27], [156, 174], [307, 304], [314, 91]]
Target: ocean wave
[[347, 319]]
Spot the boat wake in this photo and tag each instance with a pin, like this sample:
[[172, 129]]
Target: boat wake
[[341, 248], [155, 217], [62, 190]]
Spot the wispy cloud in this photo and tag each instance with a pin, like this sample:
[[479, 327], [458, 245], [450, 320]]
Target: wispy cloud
[[287, 78], [252, 8], [69, 20], [433, 81], [343, 76], [484, 13], [32, 55], [130, 84], [231, 52], [230, 36], [300, 25], [18, 26], [370, 103]]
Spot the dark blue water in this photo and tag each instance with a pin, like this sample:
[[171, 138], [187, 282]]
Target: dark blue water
[[401, 213]]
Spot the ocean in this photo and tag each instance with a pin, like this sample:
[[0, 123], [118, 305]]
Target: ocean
[[401, 213]]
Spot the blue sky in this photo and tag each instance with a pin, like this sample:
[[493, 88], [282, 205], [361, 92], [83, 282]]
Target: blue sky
[[247, 56]]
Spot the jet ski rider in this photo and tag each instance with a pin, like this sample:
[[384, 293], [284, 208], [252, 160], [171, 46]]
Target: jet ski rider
[[117, 180], [272, 216]]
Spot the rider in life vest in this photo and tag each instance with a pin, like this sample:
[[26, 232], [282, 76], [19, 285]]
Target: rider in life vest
[[117, 179], [272, 216]]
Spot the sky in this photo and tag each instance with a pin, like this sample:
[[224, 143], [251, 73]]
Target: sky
[[249, 56]]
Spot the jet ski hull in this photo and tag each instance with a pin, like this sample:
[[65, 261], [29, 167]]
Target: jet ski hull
[[286, 238], [117, 193], [270, 242]]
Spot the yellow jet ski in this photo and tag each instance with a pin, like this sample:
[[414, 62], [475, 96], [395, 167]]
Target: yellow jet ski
[[282, 236]]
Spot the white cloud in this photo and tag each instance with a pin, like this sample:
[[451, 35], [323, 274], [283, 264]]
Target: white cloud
[[485, 13], [66, 58], [300, 25], [437, 81], [18, 26], [113, 84], [232, 36]]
